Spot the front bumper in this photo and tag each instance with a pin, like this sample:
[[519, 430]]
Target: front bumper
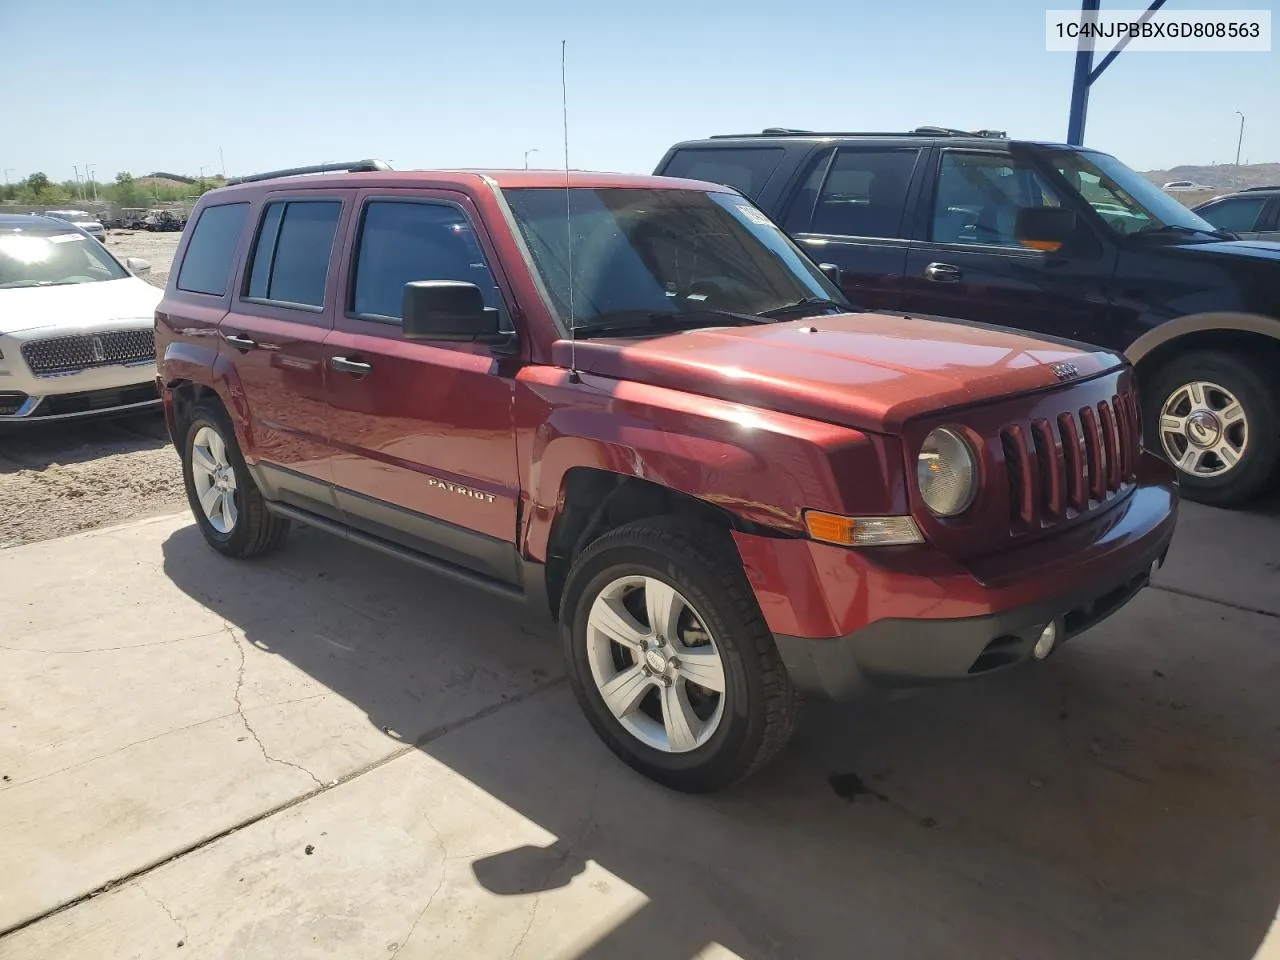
[[101, 390], [846, 620], [891, 653]]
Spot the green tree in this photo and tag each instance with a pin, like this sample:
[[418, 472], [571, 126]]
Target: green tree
[[126, 192], [38, 183]]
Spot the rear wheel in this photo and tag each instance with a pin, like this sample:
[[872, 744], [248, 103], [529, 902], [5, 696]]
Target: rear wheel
[[670, 658], [1216, 417], [228, 506]]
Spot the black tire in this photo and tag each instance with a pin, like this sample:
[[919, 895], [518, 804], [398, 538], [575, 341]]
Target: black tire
[[256, 530], [759, 701], [1246, 378]]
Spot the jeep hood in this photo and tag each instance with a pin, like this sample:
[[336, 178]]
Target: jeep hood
[[872, 371]]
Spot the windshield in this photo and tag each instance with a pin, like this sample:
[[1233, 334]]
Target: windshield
[[46, 259], [666, 253], [1125, 200]]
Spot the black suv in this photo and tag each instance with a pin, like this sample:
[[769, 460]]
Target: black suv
[[1045, 237]]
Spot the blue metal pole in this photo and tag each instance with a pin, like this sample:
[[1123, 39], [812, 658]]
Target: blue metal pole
[[1080, 84]]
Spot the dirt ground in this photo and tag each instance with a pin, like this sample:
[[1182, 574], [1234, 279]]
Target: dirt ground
[[57, 479], [158, 248]]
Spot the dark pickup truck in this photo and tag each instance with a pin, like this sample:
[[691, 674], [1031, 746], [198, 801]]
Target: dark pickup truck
[[635, 404], [1045, 238]]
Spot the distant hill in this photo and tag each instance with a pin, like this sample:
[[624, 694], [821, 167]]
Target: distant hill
[[1223, 177]]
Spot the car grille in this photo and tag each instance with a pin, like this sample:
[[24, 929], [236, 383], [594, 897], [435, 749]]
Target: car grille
[[59, 355], [1061, 468]]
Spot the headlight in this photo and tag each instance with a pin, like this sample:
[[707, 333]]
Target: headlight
[[945, 473]]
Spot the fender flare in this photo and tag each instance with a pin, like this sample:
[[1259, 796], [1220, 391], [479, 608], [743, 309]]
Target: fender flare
[[765, 478], [1179, 327], [205, 366]]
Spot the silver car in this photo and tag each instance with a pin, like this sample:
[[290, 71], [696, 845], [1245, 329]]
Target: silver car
[[85, 221]]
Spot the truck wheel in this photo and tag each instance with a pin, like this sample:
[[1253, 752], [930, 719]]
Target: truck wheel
[[227, 504], [1216, 417], [670, 658]]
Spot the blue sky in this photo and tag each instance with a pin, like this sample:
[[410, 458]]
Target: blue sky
[[145, 86]]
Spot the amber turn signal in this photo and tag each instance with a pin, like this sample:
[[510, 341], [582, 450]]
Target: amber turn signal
[[861, 531]]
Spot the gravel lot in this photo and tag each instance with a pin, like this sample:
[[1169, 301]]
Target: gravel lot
[[158, 248], [57, 479]]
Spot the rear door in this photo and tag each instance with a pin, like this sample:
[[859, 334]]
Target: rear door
[[969, 264], [851, 210], [282, 312], [424, 432]]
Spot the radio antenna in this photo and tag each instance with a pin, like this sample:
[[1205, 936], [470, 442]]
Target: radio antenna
[[568, 215]]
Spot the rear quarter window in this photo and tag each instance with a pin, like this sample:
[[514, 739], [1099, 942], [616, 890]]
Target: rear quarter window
[[746, 169], [206, 265]]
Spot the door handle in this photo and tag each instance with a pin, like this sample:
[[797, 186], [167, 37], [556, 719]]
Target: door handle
[[239, 342], [343, 365], [943, 273]]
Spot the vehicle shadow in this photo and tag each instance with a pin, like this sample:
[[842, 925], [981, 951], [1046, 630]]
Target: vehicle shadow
[[1117, 801], [37, 446]]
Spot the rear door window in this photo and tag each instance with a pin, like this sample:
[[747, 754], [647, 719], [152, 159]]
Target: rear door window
[[746, 169], [291, 257], [206, 266], [863, 194], [1237, 214]]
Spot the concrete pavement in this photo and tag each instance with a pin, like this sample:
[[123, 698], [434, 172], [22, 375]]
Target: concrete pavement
[[326, 753]]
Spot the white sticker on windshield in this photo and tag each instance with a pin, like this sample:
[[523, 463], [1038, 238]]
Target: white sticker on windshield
[[754, 215], [66, 237]]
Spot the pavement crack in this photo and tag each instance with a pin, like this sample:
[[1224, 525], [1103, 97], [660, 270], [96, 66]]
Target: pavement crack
[[533, 915], [167, 912], [1192, 595], [245, 720], [444, 865], [584, 831], [127, 646], [151, 739]]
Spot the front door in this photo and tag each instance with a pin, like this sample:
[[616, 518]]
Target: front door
[[424, 432], [851, 211], [971, 265], [280, 314]]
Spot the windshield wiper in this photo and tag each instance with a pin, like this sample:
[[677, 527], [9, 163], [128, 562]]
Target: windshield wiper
[[1181, 228], [657, 321], [804, 305]]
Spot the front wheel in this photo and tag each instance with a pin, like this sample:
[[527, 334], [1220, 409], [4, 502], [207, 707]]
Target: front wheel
[[670, 658], [1216, 417]]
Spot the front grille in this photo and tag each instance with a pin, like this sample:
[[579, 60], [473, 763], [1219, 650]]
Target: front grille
[[69, 354], [1059, 469]]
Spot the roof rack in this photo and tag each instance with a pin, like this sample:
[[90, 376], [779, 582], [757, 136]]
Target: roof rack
[[1251, 189], [917, 132], [354, 166]]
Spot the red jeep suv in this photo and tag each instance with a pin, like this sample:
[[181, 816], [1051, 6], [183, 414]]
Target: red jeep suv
[[635, 404]]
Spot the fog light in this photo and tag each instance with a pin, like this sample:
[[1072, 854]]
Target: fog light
[[1048, 638]]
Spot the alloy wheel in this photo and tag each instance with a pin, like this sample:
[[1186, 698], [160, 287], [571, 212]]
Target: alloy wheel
[[215, 480], [1203, 429], [655, 664]]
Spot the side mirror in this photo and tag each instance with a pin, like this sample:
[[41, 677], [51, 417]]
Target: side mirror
[[1044, 228], [137, 266], [833, 273], [448, 310]]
